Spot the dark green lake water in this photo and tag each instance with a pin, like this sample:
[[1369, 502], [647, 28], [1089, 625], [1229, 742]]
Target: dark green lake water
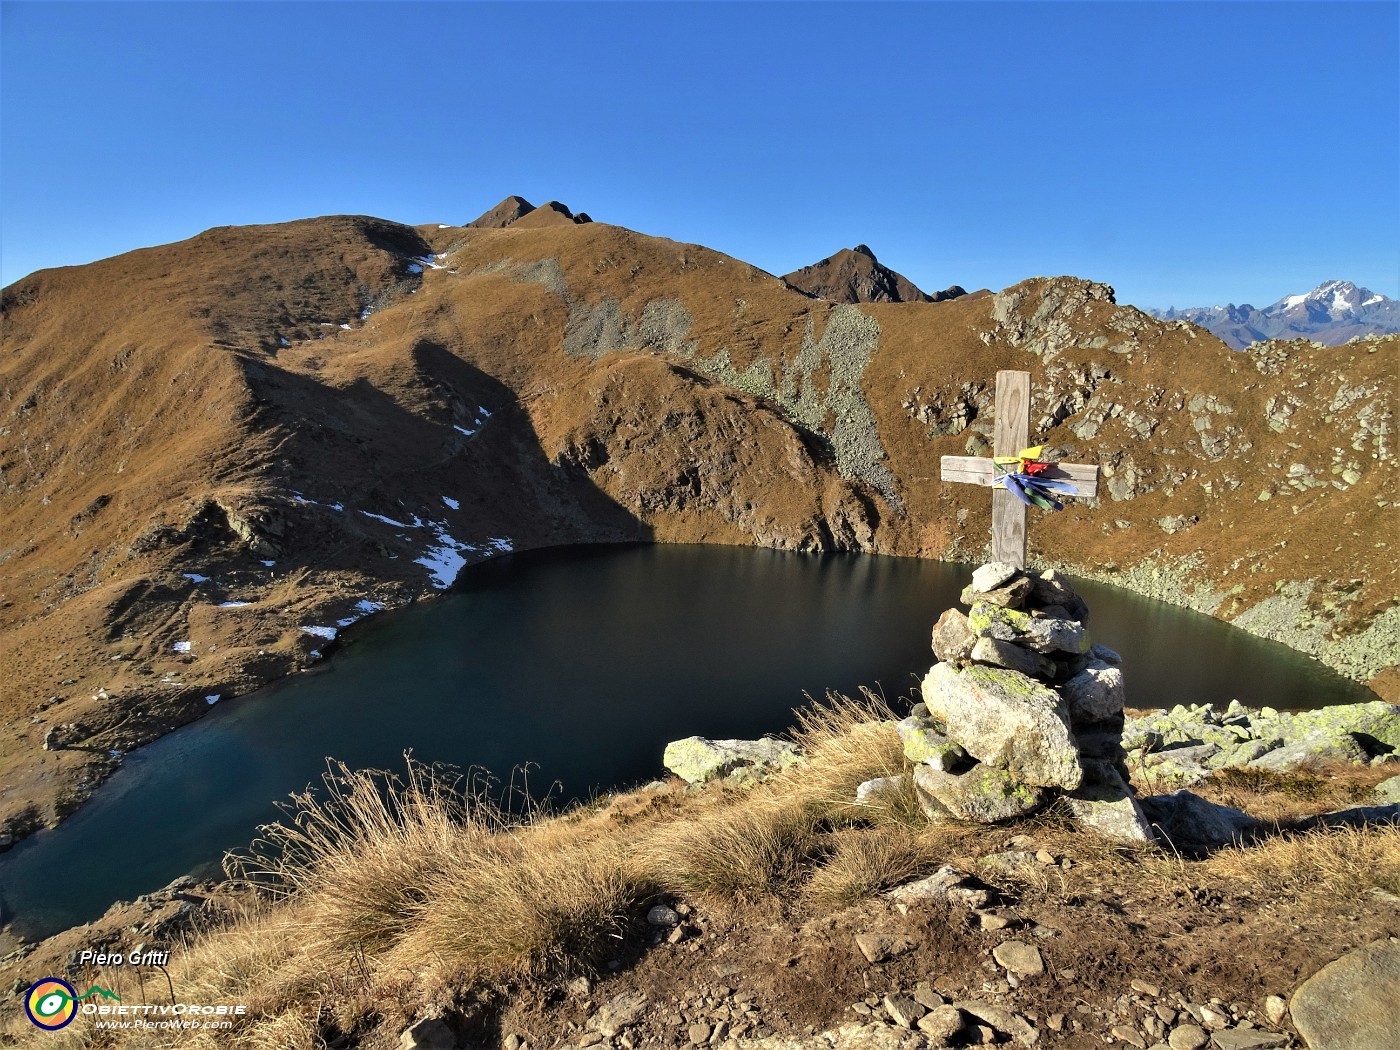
[[583, 662]]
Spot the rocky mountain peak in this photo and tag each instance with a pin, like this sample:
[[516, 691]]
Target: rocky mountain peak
[[513, 209], [854, 275]]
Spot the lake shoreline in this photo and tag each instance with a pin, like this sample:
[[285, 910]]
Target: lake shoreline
[[736, 568], [1171, 584]]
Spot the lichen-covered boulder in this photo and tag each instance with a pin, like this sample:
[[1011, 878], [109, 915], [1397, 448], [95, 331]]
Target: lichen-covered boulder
[[924, 742], [996, 621], [1329, 744], [1387, 791], [1044, 634], [982, 794], [1376, 720], [1008, 721], [697, 759], [1180, 765], [1050, 634]]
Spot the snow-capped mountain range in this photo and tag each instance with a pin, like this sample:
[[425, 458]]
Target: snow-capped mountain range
[[1331, 313]]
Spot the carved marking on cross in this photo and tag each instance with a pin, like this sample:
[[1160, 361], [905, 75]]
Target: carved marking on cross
[[1011, 434]]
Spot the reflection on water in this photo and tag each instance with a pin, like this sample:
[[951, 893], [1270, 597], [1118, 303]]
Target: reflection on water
[[583, 662]]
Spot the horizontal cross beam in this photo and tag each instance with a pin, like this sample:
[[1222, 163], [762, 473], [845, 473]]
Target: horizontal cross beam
[[978, 470]]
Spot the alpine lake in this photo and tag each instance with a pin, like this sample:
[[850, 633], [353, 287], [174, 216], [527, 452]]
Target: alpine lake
[[579, 665]]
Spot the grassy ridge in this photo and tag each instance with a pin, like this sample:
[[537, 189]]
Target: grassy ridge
[[392, 897]]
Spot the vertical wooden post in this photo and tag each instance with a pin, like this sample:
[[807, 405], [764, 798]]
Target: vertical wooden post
[[1011, 434]]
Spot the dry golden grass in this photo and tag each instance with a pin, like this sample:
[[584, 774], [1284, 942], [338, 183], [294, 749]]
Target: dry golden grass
[[865, 861], [1309, 789], [746, 851], [361, 852], [394, 894], [847, 742], [540, 903], [1345, 862]]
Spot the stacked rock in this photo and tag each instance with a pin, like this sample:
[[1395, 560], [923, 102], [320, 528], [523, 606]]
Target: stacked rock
[[1022, 708]]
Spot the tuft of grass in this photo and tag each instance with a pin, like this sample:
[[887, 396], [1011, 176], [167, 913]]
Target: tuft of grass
[[847, 742], [747, 850], [362, 853], [865, 861], [531, 903]]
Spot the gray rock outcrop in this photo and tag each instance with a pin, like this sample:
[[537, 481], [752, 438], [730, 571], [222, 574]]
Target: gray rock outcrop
[[697, 759], [1354, 1002]]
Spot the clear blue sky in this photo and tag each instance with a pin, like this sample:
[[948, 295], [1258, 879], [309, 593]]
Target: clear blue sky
[[1186, 153]]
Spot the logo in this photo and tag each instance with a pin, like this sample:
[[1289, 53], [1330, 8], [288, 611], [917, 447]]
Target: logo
[[52, 1003]]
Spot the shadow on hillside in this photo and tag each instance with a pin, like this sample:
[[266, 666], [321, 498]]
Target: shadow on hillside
[[437, 432]]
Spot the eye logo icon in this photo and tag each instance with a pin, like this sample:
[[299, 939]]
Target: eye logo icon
[[52, 1003]]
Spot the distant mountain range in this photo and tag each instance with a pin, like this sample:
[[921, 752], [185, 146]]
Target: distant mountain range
[[1331, 313]]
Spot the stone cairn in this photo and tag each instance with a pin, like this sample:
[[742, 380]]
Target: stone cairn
[[1021, 708]]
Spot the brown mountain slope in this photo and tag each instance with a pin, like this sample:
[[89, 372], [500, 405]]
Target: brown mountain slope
[[854, 275], [303, 417]]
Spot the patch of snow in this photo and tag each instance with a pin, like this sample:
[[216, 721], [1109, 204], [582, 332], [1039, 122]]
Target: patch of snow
[[1373, 299], [232, 605], [182, 647], [212, 699], [195, 577], [463, 430], [1293, 300], [269, 563], [444, 561], [328, 633], [483, 413], [443, 226], [451, 502], [300, 498], [364, 314], [114, 754], [363, 608], [315, 654], [284, 340], [381, 517], [415, 267], [327, 324], [500, 544], [346, 327], [336, 506]]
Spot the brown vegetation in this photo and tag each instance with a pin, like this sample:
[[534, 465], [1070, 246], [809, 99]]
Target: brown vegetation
[[390, 898]]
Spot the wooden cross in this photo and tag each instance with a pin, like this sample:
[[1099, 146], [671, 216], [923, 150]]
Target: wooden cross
[[1011, 434]]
